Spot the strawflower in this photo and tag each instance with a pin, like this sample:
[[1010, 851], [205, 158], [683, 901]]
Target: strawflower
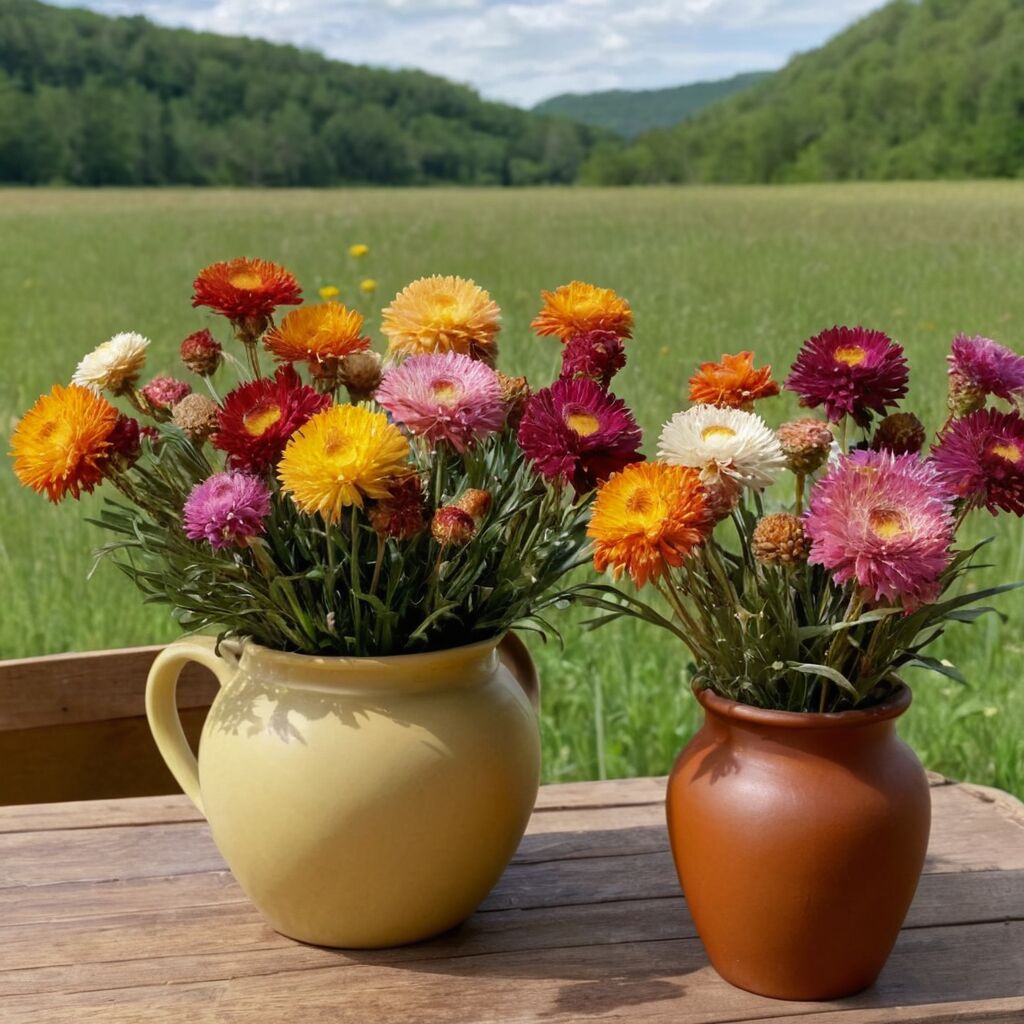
[[979, 367], [805, 443], [316, 334], [444, 398], [451, 526], [733, 382], [579, 308], [596, 355], [113, 366], [197, 416], [201, 353], [259, 417], [341, 457], [227, 509], [245, 290], [981, 458], [442, 314], [62, 444], [851, 371], [646, 518], [399, 515], [161, 393], [883, 521], [723, 444], [577, 432]]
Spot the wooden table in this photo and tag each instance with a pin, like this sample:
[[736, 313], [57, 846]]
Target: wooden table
[[122, 911]]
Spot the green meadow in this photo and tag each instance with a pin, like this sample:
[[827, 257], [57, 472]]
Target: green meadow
[[707, 270]]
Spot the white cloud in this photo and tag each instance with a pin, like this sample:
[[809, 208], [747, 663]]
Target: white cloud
[[526, 50]]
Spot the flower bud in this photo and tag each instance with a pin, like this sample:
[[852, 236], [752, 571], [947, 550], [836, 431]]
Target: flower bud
[[476, 503], [452, 526], [805, 443], [197, 416], [901, 433], [201, 353], [361, 374], [780, 539]]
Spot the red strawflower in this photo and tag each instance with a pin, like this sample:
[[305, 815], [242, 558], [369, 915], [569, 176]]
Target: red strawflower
[[596, 355], [578, 432], [981, 459], [201, 353], [851, 371], [125, 441], [258, 418], [245, 289], [400, 515], [163, 393]]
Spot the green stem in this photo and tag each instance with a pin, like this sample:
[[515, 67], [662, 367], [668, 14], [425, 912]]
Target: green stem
[[844, 426], [381, 547], [799, 506], [353, 556]]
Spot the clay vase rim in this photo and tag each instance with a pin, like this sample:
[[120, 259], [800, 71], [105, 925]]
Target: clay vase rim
[[892, 707]]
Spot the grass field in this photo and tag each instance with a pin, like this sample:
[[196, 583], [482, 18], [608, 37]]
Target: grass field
[[707, 270]]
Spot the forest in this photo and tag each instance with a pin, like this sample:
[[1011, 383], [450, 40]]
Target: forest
[[929, 89], [91, 100]]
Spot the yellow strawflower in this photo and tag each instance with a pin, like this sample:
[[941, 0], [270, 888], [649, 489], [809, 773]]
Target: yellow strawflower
[[340, 457]]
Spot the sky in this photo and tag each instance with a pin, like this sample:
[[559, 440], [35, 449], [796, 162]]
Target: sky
[[525, 51]]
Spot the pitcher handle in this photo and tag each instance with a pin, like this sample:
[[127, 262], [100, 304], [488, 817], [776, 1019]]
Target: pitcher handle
[[516, 658], [162, 707]]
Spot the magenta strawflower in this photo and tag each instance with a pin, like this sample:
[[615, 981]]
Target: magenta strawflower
[[885, 522], [979, 367], [851, 371], [165, 392], [981, 459], [596, 355], [444, 397], [226, 509], [578, 432]]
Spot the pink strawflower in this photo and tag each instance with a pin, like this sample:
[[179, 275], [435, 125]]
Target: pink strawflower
[[444, 397], [226, 509], [981, 458], [851, 371], [596, 355], [980, 366], [577, 432], [884, 521], [165, 392]]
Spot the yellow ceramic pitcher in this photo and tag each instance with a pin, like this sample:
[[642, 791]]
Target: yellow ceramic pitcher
[[360, 802]]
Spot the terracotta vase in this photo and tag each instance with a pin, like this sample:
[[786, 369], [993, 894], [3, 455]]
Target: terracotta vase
[[799, 840], [359, 802]]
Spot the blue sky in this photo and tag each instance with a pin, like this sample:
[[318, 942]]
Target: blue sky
[[527, 50]]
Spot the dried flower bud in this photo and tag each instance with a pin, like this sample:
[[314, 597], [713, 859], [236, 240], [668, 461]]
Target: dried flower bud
[[197, 416], [901, 433], [780, 539], [963, 397], [361, 373], [805, 443], [475, 502], [125, 443], [399, 516], [515, 392], [161, 394], [721, 497], [451, 525], [201, 353], [326, 373], [596, 355]]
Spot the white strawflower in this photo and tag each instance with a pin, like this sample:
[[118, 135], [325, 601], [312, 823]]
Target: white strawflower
[[724, 444], [113, 366]]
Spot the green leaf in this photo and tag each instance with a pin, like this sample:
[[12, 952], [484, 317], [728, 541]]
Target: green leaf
[[831, 674]]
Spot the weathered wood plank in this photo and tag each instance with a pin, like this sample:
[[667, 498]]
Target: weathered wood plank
[[663, 980], [88, 687]]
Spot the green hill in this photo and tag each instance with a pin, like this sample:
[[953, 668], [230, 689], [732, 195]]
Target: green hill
[[928, 89], [91, 100], [631, 112]]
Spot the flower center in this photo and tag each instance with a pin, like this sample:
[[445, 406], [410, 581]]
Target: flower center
[[887, 523], [1007, 450], [444, 390], [246, 280], [717, 435], [583, 424], [851, 355], [261, 419], [335, 443], [640, 502]]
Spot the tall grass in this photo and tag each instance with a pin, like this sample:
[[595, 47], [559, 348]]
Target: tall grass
[[708, 270]]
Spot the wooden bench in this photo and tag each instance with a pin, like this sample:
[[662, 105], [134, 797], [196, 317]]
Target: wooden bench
[[120, 910]]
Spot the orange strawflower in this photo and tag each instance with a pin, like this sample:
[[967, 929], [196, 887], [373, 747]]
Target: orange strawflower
[[732, 383], [62, 444], [317, 333], [578, 308], [647, 517], [245, 289]]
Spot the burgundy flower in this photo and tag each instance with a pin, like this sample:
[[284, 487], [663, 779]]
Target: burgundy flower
[[981, 458], [258, 418], [851, 371], [201, 353], [578, 432], [596, 355]]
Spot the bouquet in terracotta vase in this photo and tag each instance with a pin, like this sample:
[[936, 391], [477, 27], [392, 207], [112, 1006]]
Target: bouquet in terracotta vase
[[803, 569], [349, 538]]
